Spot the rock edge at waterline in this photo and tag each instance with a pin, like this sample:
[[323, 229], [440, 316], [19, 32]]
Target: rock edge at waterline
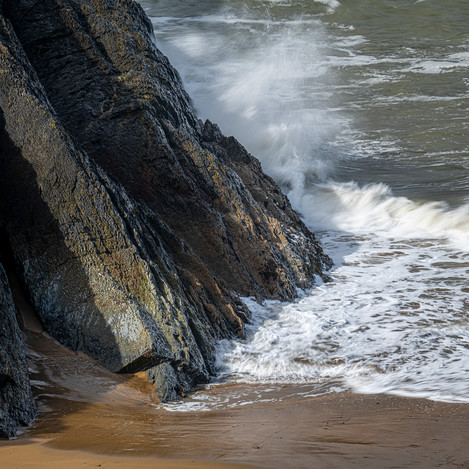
[[131, 222]]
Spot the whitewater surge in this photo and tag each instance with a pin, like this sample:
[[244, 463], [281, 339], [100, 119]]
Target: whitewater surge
[[351, 208], [350, 117]]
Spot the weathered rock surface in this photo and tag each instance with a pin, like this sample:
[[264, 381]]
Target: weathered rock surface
[[17, 405], [123, 102], [131, 222], [99, 277]]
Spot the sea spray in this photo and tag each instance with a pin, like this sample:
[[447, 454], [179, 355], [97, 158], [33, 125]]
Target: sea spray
[[273, 89]]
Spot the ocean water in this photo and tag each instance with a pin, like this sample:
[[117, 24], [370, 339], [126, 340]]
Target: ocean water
[[359, 110]]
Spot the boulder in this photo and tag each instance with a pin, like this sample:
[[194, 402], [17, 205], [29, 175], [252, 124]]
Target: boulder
[[92, 262]]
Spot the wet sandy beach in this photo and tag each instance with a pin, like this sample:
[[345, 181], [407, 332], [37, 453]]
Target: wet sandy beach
[[92, 418]]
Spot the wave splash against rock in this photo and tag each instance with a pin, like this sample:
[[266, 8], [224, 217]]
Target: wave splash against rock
[[130, 221]]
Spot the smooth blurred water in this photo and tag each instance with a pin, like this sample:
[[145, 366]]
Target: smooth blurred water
[[360, 111]]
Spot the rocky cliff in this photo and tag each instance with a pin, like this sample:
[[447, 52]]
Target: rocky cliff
[[133, 225]]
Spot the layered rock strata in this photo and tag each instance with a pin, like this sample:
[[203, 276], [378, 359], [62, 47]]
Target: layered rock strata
[[131, 222]]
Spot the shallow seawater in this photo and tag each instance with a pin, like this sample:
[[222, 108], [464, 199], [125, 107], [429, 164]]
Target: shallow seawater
[[359, 110]]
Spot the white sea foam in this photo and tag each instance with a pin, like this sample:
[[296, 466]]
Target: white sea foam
[[392, 320], [331, 4], [434, 66]]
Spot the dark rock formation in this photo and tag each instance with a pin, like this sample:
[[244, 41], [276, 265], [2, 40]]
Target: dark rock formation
[[16, 401], [123, 103], [131, 222], [91, 260]]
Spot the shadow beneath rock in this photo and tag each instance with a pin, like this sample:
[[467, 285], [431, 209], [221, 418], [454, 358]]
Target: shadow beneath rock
[[51, 276]]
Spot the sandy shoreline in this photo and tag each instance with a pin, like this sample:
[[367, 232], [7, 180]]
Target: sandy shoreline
[[34, 454], [92, 418], [333, 431]]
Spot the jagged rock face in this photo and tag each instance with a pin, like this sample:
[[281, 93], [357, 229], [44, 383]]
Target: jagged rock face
[[92, 261], [17, 405], [136, 268], [129, 112]]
